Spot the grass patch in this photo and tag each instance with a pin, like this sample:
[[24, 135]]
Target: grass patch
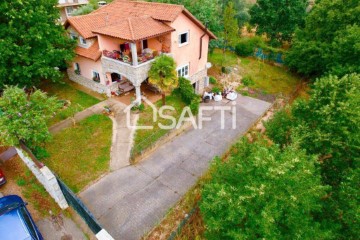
[[63, 91], [265, 76], [269, 78], [220, 59], [22, 182], [81, 154], [144, 138]]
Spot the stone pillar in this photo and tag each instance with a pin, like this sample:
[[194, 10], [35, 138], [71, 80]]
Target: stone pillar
[[134, 54], [138, 94]]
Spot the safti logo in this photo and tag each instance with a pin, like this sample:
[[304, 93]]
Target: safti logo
[[186, 116]]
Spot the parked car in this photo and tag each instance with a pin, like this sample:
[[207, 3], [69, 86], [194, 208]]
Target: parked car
[[16, 222], [2, 178]]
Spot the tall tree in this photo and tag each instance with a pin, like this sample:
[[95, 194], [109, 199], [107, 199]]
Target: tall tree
[[329, 42], [328, 125], [261, 192], [24, 118], [32, 44], [163, 74], [241, 8], [278, 19], [231, 29]]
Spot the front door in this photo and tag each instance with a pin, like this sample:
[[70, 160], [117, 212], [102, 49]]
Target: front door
[[115, 77]]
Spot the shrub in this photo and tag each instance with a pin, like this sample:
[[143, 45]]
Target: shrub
[[242, 92], [246, 46], [86, 9], [40, 153], [186, 90], [248, 81], [194, 105], [21, 182], [223, 69], [141, 107], [213, 80], [215, 90], [279, 127], [188, 95]]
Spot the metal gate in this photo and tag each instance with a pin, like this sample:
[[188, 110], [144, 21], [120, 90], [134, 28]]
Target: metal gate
[[79, 207]]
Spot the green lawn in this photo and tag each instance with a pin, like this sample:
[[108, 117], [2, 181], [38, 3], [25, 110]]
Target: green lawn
[[266, 77], [78, 99], [217, 58], [80, 154], [271, 79], [144, 138]]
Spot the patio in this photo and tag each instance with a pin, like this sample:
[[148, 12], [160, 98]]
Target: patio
[[130, 96]]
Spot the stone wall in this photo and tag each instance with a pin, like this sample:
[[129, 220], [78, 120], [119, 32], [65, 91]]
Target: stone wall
[[89, 83], [199, 77], [46, 178], [136, 74]]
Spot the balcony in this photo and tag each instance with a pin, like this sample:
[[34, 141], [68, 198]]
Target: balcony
[[136, 73], [127, 59]]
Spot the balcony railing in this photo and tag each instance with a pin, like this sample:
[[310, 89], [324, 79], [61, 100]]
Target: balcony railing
[[134, 73], [116, 55]]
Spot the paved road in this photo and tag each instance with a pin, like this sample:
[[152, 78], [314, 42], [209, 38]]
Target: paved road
[[131, 201], [60, 227]]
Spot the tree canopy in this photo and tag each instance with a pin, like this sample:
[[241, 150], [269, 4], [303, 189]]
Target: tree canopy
[[163, 74], [32, 44], [241, 8], [328, 125], [231, 29], [278, 19], [24, 118], [263, 192], [329, 41]]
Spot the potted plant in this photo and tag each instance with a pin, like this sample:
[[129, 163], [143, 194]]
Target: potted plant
[[77, 71], [126, 59]]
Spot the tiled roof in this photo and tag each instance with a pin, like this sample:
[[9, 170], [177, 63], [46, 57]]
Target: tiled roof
[[92, 52], [86, 23], [124, 9], [135, 28], [106, 20]]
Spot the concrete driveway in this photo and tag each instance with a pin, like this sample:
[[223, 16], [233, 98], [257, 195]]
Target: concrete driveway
[[131, 201]]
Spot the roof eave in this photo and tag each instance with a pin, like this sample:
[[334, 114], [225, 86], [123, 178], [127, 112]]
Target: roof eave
[[68, 23], [69, 4], [197, 22], [134, 40]]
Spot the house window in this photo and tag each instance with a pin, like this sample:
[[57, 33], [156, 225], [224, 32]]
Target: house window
[[82, 40], [183, 71], [183, 38], [96, 76], [73, 36], [69, 10], [77, 68]]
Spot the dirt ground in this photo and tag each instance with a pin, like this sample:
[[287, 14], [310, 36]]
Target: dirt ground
[[20, 181]]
